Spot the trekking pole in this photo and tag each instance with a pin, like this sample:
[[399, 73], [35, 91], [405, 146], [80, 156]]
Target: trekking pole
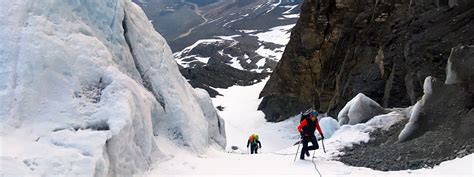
[[324, 149], [297, 149]]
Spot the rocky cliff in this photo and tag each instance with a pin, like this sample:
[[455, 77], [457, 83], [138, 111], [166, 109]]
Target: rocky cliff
[[444, 124], [383, 49]]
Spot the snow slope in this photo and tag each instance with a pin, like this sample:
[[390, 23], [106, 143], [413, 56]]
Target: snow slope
[[242, 119], [216, 163], [85, 88], [277, 157]]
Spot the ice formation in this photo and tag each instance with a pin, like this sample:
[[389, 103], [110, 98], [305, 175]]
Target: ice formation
[[414, 112], [360, 109], [85, 86], [329, 125]]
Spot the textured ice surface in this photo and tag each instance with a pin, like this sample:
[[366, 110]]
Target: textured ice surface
[[360, 109], [85, 88]]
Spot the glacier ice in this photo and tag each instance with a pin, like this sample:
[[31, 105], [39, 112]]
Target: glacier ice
[[358, 110], [329, 125], [414, 112], [85, 86], [216, 123]]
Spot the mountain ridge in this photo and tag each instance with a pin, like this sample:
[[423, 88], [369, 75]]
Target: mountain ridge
[[247, 35]]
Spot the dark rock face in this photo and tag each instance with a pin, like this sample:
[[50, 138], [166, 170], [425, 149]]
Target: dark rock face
[[219, 75], [243, 48], [383, 49], [445, 130]]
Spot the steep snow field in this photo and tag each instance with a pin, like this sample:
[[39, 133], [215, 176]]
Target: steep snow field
[[243, 119], [277, 157]]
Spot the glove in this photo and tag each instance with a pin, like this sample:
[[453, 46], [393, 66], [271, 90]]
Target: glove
[[322, 136], [260, 147], [302, 134]]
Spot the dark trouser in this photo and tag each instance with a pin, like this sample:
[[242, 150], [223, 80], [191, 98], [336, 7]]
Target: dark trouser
[[305, 149], [253, 148]]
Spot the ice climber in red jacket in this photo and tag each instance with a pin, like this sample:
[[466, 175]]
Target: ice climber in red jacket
[[308, 126]]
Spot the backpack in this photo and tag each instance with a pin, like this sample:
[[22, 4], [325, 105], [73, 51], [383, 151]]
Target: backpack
[[305, 115], [253, 138]]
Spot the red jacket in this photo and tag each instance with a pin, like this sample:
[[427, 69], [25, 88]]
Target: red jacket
[[308, 127]]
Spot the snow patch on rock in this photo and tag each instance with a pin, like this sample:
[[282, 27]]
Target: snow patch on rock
[[181, 53], [277, 35], [451, 76], [290, 8], [460, 65], [385, 121]]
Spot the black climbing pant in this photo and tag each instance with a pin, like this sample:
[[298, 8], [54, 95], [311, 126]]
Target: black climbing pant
[[253, 149], [305, 142]]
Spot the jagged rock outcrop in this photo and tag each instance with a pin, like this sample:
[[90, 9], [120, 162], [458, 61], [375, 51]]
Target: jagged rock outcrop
[[439, 129], [383, 49]]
